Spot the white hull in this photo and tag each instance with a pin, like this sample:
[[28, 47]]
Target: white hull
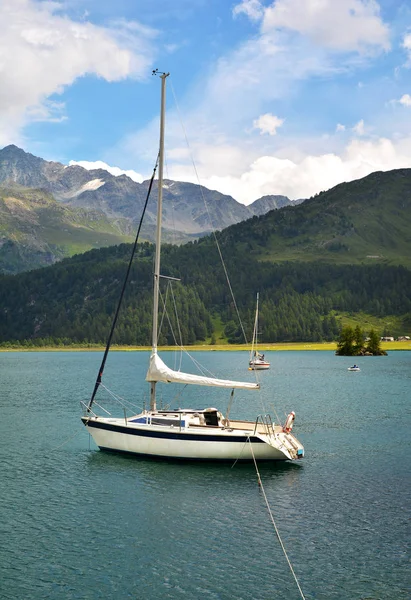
[[198, 443], [259, 366], [185, 433]]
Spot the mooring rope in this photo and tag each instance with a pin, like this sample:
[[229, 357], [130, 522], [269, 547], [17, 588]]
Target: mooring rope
[[69, 440], [260, 483]]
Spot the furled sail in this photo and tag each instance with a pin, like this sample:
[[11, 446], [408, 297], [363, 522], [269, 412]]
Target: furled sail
[[158, 371]]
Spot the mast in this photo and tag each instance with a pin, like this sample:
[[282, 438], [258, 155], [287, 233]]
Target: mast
[[254, 341], [163, 77], [256, 324]]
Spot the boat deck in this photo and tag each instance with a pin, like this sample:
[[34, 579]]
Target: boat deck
[[261, 428], [244, 425]]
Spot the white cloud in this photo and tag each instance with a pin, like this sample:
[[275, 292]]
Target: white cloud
[[299, 43], [313, 173], [42, 52], [407, 45], [262, 70], [359, 128], [252, 8], [405, 100], [256, 74], [50, 111], [344, 25], [99, 164], [268, 123]]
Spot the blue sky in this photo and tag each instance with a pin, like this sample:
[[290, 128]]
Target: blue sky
[[273, 97]]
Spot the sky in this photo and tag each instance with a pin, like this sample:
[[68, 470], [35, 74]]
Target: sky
[[264, 97]]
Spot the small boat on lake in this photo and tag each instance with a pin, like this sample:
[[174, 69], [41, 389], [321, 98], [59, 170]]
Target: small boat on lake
[[354, 368], [257, 360], [201, 433]]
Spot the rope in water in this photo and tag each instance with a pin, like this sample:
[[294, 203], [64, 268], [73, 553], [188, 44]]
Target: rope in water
[[260, 483], [69, 440]]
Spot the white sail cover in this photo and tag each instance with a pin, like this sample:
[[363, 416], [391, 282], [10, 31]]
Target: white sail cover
[[158, 371]]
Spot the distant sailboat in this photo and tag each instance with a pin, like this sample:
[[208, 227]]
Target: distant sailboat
[[257, 360], [192, 433]]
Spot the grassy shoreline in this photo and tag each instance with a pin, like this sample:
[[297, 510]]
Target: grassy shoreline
[[314, 346]]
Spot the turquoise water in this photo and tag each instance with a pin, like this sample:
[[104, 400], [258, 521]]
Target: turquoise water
[[79, 523]]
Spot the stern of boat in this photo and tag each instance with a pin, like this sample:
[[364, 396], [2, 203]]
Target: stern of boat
[[279, 437]]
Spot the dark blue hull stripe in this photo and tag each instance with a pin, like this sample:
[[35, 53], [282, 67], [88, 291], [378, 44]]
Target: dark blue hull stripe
[[171, 435], [183, 458]]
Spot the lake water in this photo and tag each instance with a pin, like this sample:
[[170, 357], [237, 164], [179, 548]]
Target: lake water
[[79, 523]]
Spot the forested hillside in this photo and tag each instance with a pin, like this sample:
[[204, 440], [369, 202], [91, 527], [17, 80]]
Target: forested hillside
[[347, 250], [75, 300], [365, 222]]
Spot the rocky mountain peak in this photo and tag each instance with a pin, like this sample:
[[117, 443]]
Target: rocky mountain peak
[[121, 198]]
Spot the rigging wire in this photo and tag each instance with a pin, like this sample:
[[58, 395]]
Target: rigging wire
[[180, 335], [178, 344], [209, 216], [260, 483], [103, 362], [203, 370], [174, 228], [272, 407], [256, 375], [122, 401], [164, 313]]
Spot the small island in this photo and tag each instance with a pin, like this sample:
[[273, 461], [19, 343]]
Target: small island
[[353, 342]]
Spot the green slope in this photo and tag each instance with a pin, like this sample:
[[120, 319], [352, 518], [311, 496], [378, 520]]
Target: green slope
[[35, 230], [75, 299], [362, 222], [309, 264]]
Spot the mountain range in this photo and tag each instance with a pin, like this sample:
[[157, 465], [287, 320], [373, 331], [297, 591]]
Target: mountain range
[[345, 253], [49, 210]]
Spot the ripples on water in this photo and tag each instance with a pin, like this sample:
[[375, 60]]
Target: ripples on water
[[78, 523]]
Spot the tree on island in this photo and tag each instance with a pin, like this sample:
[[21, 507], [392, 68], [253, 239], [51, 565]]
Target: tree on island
[[374, 345], [352, 343], [358, 340], [345, 345]]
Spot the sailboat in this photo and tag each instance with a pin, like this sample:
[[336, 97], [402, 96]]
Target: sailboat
[[257, 360], [192, 433]]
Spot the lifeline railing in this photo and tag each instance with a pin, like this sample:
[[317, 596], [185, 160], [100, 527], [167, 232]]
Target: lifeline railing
[[266, 422]]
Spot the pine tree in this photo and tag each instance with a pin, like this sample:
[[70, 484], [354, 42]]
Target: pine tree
[[374, 344], [358, 340], [345, 345]]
